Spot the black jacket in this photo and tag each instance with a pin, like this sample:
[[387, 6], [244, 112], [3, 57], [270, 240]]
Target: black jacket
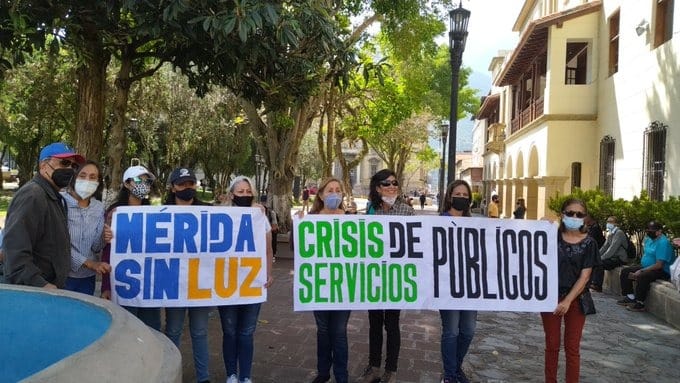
[[36, 241]]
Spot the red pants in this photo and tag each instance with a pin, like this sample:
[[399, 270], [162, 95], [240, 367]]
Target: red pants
[[573, 328]]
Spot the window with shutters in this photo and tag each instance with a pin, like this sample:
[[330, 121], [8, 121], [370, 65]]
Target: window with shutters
[[654, 160], [607, 146]]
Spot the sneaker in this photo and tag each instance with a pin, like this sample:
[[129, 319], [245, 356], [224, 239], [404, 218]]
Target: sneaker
[[625, 301], [461, 377], [448, 380], [637, 307], [246, 380], [232, 379], [370, 375], [321, 379], [389, 377]]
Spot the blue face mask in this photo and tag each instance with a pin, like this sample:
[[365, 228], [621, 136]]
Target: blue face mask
[[572, 223], [332, 200], [610, 227]]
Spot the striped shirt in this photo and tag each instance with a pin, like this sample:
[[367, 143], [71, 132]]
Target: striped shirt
[[85, 225]]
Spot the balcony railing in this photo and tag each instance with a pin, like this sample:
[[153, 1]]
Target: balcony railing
[[530, 113], [496, 138]]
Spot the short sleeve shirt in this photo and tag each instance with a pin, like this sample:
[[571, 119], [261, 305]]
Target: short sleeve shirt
[[572, 258]]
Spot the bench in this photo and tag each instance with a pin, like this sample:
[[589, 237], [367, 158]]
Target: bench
[[663, 300]]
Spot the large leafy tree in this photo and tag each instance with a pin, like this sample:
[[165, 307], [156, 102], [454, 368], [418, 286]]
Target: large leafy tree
[[173, 127], [37, 106]]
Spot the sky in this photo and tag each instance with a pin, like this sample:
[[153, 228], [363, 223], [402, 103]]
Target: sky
[[489, 30]]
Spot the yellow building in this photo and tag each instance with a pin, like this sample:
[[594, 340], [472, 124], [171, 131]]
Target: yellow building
[[584, 100]]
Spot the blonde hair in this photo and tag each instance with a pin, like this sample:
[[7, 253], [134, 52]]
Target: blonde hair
[[318, 203], [237, 180]]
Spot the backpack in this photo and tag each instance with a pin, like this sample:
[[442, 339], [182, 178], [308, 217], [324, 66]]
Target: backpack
[[630, 248]]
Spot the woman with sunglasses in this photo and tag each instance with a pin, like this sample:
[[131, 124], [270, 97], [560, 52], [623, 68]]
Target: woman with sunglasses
[[576, 255], [458, 326], [86, 227], [239, 321], [137, 181], [384, 200]]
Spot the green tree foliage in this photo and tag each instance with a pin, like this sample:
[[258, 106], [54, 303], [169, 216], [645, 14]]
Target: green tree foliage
[[177, 128], [308, 158], [37, 106], [633, 216], [435, 90]]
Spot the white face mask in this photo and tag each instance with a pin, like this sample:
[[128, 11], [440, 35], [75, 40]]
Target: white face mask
[[389, 200], [85, 188]]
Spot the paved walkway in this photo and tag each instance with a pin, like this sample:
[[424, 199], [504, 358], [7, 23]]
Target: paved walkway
[[618, 345]]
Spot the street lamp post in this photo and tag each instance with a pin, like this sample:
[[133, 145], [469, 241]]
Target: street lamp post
[[259, 169], [458, 18], [442, 186]]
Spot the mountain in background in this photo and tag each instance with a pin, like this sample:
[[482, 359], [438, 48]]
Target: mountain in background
[[481, 82]]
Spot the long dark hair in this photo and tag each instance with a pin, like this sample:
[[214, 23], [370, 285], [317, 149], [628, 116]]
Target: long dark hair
[[449, 190], [123, 198], [571, 201], [373, 195], [97, 193]]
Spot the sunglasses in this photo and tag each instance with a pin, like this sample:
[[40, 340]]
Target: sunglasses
[[138, 180], [387, 183], [67, 164], [576, 214]]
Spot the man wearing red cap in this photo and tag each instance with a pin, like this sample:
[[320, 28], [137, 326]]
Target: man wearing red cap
[[36, 242]]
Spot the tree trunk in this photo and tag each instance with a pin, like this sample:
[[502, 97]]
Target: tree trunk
[[279, 142], [91, 114], [117, 139]]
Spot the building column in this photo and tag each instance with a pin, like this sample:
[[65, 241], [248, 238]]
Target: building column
[[548, 187]]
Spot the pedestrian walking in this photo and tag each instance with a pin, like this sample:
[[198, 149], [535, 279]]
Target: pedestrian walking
[[384, 200], [520, 209], [305, 199], [423, 198], [183, 193], [577, 253], [37, 244], [458, 326], [239, 321]]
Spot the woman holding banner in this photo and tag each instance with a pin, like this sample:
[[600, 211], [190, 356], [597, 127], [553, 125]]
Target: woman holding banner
[[137, 181], [458, 326], [331, 325], [183, 193], [239, 321], [384, 200], [577, 254]]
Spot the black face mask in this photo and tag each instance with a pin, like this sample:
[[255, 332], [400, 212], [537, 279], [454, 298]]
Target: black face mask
[[62, 177], [243, 201], [186, 194], [651, 234], [460, 203]]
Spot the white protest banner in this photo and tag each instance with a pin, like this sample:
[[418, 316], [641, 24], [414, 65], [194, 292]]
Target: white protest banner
[[177, 256], [424, 262]]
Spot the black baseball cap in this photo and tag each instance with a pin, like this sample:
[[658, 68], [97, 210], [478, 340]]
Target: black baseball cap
[[180, 175]]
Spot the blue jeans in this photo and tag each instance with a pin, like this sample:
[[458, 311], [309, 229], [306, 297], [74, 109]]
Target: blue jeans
[[81, 285], [151, 316], [198, 327], [458, 328], [331, 344], [238, 327]]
